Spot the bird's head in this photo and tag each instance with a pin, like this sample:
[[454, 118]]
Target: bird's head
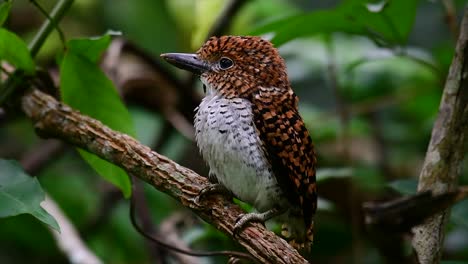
[[235, 66]]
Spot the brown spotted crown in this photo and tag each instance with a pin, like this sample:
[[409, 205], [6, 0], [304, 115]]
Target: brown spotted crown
[[238, 65]]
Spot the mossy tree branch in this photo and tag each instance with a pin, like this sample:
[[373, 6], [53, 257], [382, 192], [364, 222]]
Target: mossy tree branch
[[448, 145]]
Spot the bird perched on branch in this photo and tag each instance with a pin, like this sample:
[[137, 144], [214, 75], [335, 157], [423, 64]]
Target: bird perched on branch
[[250, 133]]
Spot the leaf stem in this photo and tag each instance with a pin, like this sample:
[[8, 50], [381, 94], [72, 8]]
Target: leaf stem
[[55, 15]]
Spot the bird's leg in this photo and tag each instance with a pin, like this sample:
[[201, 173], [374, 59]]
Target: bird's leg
[[256, 217], [215, 188]]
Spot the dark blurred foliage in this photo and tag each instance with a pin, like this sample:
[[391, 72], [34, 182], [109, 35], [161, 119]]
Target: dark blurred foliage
[[370, 113]]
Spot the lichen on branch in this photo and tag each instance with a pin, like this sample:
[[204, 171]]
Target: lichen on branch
[[446, 150]]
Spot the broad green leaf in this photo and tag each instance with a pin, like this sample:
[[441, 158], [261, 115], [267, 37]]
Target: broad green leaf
[[405, 186], [89, 48], [4, 11], [459, 214], [392, 20], [15, 51], [21, 194], [391, 23], [322, 21], [86, 88]]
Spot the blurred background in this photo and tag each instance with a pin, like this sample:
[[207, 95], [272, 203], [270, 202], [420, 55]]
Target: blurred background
[[370, 107]]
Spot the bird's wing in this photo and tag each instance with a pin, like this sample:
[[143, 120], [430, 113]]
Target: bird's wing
[[289, 149]]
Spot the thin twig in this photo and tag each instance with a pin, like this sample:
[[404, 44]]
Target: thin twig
[[56, 15], [44, 13], [50, 24]]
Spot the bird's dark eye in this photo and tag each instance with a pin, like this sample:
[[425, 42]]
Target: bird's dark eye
[[225, 63]]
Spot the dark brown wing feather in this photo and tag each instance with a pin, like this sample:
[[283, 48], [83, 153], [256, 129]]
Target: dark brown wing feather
[[289, 148]]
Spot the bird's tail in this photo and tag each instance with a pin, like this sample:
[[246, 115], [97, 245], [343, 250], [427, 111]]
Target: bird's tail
[[299, 234]]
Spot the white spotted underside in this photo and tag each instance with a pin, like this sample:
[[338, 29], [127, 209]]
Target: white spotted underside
[[228, 141]]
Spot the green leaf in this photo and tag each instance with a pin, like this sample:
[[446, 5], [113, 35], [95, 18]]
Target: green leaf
[[15, 51], [89, 48], [390, 23], [4, 11], [86, 88], [322, 21], [405, 186], [21, 194], [392, 19]]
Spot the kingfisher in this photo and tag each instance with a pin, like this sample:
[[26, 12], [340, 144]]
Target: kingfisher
[[249, 131]]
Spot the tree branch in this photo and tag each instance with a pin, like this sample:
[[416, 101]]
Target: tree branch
[[54, 119], [446, 149]]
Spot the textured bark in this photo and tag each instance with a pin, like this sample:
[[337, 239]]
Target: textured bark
[[446, 150], [54, 119]]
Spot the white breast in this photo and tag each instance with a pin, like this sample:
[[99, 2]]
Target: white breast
[[226, 137]]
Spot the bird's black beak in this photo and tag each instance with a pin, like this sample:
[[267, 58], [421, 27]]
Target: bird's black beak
[[186, 61]]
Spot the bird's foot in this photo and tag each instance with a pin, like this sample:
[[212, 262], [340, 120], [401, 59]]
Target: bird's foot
[[213, 189], [244, 219]]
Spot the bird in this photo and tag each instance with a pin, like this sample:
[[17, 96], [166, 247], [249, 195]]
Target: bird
[[249, 131]]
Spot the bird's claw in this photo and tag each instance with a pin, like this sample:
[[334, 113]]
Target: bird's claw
[[244, 219], [212, 189]]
